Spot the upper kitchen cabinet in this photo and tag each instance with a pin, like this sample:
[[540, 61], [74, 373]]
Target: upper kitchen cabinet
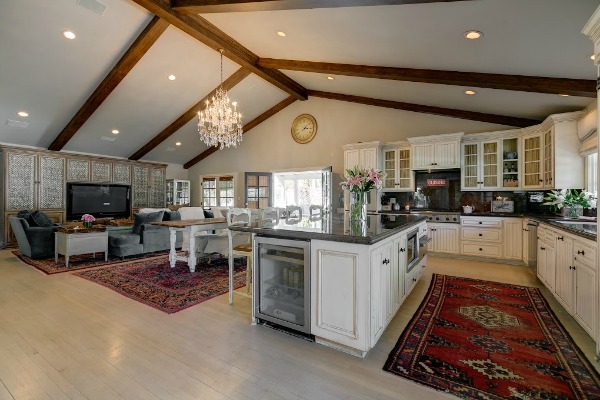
[[397, 167], [551, 154], [480, 168], [436, 152], [365, 155]]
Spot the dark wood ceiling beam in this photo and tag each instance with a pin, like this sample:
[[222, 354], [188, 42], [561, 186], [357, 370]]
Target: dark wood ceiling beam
[[256, 121], [446, 112], [136, 51], [536, 84], [186, 117], [202, 30], [215, 6]]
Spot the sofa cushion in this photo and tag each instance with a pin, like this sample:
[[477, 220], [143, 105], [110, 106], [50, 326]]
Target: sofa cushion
[[145, 218], [171, 216], [191, 212], [118, 239], [41, 219]]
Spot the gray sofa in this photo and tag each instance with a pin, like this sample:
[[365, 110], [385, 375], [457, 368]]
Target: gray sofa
[[34, 241], [149, 239]]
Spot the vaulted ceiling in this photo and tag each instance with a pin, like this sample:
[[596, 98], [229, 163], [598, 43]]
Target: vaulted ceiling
[[403, 54]]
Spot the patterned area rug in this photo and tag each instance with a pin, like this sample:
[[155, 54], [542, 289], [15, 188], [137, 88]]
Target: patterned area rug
[[84, 261], [154, 283], [486, 340]]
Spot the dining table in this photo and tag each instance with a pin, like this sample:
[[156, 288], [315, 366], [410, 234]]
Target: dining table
[[195, 228]]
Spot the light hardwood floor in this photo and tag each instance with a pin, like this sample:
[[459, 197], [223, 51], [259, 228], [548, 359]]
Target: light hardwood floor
[[63, 337]]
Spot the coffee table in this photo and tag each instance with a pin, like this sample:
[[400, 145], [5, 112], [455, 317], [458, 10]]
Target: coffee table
[[71, 244]]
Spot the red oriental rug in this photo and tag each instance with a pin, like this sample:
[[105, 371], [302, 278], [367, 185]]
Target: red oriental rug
[[84, 261], [154, 283], [486, 340]]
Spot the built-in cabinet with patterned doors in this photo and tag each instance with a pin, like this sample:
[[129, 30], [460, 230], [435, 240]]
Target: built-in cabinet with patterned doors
[[32, 181], [36, 180], [148, 186]]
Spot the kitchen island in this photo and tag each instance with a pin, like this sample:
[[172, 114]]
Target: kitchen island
[[358, 274]]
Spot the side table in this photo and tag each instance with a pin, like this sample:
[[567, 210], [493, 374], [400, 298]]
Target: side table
[[71, 244]]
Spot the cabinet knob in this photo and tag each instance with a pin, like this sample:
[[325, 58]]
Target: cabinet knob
[[560, 238], [480, 249], [386, 261], [570, 267], [480, 223], [574, 268], [582, 252], [402, 249], [481, 234], [542, 248], [541, 180], [414, 279]]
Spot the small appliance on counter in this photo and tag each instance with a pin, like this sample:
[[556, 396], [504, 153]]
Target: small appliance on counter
[[503, 205]]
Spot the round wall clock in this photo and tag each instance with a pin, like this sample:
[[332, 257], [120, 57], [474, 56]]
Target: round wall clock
[[304, 128]]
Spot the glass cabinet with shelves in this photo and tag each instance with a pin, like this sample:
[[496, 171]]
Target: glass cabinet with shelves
[[510, 163], [178, 192]]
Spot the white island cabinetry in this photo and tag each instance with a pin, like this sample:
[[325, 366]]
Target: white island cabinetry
[[357, 289]]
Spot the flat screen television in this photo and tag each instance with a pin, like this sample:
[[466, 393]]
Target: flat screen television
[[100, 200]]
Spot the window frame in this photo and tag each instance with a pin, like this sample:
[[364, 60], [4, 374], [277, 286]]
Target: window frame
[[216, 190]]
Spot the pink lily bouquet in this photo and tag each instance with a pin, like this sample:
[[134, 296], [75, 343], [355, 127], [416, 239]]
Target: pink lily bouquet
[[362, 180]]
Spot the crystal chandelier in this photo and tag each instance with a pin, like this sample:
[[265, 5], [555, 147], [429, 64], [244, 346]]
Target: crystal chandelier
[[220, 124]]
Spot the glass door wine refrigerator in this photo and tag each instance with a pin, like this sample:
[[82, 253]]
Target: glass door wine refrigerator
[[282, 287]]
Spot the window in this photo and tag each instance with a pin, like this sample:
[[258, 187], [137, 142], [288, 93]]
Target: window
[[591, 173], [218, 191], [209, 192], [298, 188], [226, 191]]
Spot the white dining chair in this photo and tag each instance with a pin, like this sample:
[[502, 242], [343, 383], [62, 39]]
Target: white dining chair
[[240, 244], [293, 214], [268, 217]]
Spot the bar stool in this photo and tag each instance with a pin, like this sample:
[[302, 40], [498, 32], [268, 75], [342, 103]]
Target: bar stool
[[244, 249]]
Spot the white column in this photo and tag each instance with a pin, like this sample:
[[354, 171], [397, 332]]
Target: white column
[[592, 30]]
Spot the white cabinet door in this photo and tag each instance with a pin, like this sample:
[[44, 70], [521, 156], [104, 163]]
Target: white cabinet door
[[586, 297], [351, 159], [381, 309], [550, 266], [480, 169], [444, 237], [470, 166], [542, 268], [525, 230], [368, 158], [446, 155], [513, 239], [563, 285], [422, 155], [400, 269], [549, 159], [390, 168], [532, 165]]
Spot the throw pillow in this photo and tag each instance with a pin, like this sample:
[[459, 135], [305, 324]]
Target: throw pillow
[[171, 216], [145, 218], [41, 219], [24, 214], [208, 213]]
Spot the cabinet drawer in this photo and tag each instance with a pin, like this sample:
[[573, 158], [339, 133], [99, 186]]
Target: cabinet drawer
[[585, 254], [482, 250], [486, 235], [481, 222]]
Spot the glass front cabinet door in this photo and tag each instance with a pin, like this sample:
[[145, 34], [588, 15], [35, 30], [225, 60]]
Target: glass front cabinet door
[[178, 192]]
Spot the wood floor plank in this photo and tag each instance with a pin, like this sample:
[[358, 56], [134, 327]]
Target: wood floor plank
[[66, 337]]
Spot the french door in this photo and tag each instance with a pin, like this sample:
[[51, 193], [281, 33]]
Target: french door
[[259, 188]]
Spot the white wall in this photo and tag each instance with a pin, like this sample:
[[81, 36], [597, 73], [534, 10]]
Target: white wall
[[176, 171], [270, 146]]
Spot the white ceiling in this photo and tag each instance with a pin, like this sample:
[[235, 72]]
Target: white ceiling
[[51, 77]]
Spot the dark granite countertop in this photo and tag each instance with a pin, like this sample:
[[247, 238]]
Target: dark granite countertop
[[337, 229]]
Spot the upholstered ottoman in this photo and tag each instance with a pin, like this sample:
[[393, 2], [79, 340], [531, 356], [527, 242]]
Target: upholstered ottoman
[[124, 243]]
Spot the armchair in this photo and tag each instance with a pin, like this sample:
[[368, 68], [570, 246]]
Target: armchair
[[34, 241]]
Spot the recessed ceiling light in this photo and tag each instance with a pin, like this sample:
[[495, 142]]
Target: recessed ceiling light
[[281, 34], [473, 34], [593, 57], [115, 131], [172, 77], [177, 143], [330, 78], [563, 95], [470, 92], [23, 114], [69, 35]]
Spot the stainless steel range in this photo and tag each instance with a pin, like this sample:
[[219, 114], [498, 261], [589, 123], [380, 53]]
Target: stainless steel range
[[450, 217]]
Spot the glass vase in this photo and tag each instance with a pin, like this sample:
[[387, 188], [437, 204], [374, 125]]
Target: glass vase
[[87, 224], [573, 212], [358, 206]]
